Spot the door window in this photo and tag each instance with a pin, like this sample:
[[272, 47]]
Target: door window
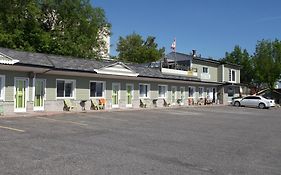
[[115, 95], [39, 92], [129, 94], [173, 94]]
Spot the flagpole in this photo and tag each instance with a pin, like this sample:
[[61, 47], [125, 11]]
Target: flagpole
[[175, 58], [174, 50]]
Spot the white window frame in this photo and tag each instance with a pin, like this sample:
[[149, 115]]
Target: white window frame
[[73, 89], [166, 91], [103, 89], [176, 89], [148, 90], [208, 90], [201, 95], [133, 91], [210, 94], [193, 95], [207, 70], [2, 88], [230, 76], [118, 94], [33, 88], [182, 87]]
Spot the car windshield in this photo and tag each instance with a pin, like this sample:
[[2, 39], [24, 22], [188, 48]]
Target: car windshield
[[235, 98], [266, 97]]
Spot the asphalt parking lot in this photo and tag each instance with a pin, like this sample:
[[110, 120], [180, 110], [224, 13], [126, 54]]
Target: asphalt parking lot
[[208, 140]]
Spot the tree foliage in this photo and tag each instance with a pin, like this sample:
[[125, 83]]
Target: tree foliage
[[133, 48], [242, 58], [267, 62], [65, 27], [263, 68]]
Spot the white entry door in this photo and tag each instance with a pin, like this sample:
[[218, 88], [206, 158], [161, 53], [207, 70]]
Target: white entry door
[[115, 95], [21, 94], [129, 95], [39, 94], [173, 95]]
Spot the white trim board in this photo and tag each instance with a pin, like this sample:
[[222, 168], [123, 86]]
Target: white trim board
[[117, 69], [5, 59]]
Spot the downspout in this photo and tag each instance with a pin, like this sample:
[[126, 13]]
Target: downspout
[[222, 67], [222, 96]]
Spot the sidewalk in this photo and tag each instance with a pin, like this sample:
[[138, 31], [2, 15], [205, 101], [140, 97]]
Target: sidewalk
[[51, 113]]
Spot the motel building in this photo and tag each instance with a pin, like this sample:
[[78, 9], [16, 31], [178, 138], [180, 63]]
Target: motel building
[[31, 82]]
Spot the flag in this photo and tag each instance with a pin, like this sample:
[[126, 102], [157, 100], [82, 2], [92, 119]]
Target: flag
[[173, 46]]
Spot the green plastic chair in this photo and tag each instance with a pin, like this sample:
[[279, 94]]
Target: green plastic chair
[[68, 105], [142, 104], [95, 105]]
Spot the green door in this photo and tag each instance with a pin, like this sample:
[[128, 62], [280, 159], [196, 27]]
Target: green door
[[115, 95], [20, 96], [129, 95], [39, 94]]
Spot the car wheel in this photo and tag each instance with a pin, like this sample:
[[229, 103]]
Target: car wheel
[[261, 106], [237, 103]]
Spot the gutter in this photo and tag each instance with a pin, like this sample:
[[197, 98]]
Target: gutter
[[177, 79]]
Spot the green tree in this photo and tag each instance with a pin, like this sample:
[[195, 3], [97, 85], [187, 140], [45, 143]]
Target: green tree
[[19, 24], [267, 62], [242, 58], [133, 48], [65, 27]]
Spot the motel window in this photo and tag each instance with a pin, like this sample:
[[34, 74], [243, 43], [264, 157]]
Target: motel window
[[191, 91], [2, 85], [65, 88], [96, 89], [144, 90], [205, 70], [162, 91], [201, 91], [231, 75]]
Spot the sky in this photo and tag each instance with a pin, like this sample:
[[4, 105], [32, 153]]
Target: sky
[[211, 27]]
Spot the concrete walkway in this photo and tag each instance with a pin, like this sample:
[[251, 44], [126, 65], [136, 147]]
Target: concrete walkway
[[52, 113]]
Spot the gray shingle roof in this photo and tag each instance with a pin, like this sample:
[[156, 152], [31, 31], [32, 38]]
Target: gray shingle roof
[[27, 57], [70, 63], [54, 61]]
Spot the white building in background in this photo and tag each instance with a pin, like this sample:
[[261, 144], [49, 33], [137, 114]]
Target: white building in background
[[104, 36]]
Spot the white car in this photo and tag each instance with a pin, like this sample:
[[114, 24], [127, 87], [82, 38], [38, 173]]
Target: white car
[[254, 101]]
